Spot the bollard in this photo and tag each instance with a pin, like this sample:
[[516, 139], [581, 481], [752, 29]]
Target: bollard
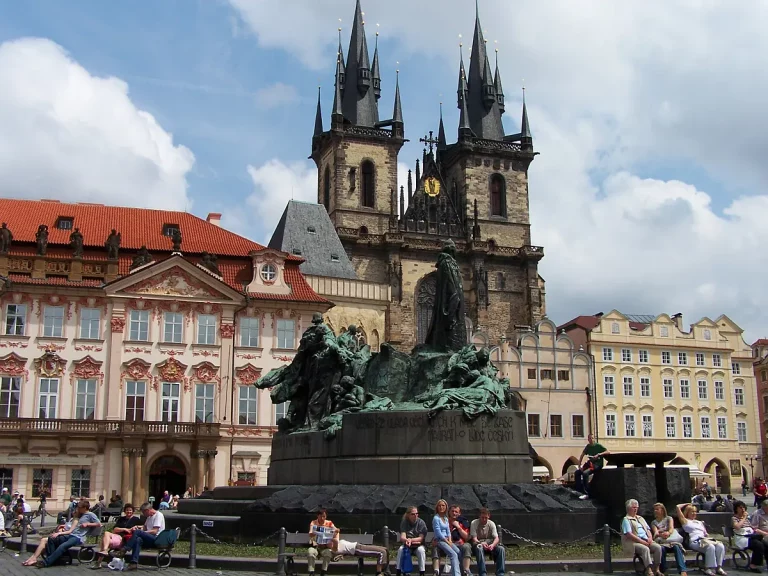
[[23, 544], [281, 553], [386, 547], [192, 547], [42, 513], [607, 568]]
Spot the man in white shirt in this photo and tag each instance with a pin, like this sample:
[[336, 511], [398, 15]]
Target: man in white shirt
[[154, 524], [346, 548]]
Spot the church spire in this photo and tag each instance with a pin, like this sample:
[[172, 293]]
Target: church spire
[[397, 114], [497, 85], [337, 114], [359, 101], [441, 143], [375, 76], [318, 116], [526, 140], [340, 60], [484, 112], [461, 91]]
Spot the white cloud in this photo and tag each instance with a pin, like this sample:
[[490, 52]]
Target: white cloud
[[614, 89], [72, 136], [276, 95]]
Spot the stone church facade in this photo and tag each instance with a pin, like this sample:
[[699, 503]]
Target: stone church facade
[[474, 191]]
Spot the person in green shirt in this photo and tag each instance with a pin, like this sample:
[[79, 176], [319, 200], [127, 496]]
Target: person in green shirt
[[595, 454], [5, 497]]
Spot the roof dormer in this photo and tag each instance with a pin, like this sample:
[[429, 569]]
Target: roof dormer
[[268, 273]]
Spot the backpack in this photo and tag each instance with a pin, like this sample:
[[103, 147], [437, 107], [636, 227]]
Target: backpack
[[166, 539]]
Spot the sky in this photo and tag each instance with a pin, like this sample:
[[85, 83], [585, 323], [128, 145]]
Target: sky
[[648, 196]]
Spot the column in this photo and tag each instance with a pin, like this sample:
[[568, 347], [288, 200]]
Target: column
[[137, 474], [125, 482], [212, 469], [200, 478]]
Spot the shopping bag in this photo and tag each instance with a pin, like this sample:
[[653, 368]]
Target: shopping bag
[[406, 561]]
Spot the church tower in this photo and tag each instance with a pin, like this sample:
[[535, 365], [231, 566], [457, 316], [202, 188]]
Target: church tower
[[474, 191], [357, 158]]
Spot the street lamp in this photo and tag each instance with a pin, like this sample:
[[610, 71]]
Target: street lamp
[[751, 459]]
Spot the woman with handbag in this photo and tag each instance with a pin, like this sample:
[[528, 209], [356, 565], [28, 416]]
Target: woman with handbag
[[636, 539], [713, 551], [744, 536], [666, 536]]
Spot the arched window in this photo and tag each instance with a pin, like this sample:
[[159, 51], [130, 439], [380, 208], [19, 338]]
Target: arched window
[[327, 189], [498, 195], [368, 184]]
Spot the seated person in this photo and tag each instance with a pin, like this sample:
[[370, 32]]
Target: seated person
[[413, 532], [595, 454], [345, 548], [321, 533], [637, 539], [460, 536], [120, 533], [154, 523], [485, 538], [116, 501], [745, 537], [32, 560], [99, 507], [83, 525], [442, 540], [700, 541], [666, 536]]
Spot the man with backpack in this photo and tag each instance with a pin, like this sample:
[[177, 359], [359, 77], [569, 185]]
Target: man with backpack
[[154, 523]]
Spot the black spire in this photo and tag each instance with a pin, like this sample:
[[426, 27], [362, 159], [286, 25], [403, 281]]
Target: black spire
[[318, 116], [465, 131], [397, 115], [497, 85], [337, 116], [359, 105], [461, 91], [340, 66], [484, 112], [375, 76], [525, 130], [410, 186], [418, 174], [441, 143]]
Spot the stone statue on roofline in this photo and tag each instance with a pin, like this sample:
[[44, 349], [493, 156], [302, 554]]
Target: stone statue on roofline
[[141, 258], [5, 239], [210, 262], [112, 244], [41, 239], [176, 239], [76, 243]]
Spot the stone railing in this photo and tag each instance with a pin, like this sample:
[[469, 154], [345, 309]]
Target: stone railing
[[115, 428]]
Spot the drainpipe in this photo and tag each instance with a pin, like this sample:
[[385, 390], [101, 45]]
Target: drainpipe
[[232, 383]]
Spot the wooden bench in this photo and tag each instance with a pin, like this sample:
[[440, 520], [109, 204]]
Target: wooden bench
[[296, 539], [163, 558], [429, 539]]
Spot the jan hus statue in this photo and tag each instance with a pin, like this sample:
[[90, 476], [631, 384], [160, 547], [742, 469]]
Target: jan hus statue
[[446, 328]]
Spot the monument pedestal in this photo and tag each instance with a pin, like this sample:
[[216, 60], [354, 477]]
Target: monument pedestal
[[402, 447]]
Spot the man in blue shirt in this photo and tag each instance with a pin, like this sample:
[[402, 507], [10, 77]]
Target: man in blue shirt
[[84, 524]]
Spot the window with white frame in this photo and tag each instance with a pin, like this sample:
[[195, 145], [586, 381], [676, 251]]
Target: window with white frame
[[629, 425], [610, 425], [249, 331], [629, 386], [48, 397], [204, 402], [81, 482], [671, 426], [138, 328], [286, 331], [206, 329], [555, 426], [668, 387], [643, 356], [577, 425], [741, 431], [703, 393], [735, 368], [687, 426], [706, 430], [10, 393], [609, 386], [717, 361], [699, 359], [664, 331], [534, 425], [645, 387], [682, 358], [15, 319], [719, 390], [85, 401], [626, 355], [615, 328], [666, 357], [738, 394], [281, 410], [173, 327], [722, 427], [647, 426], [248, 405], [607, 354], [685, 388], [170, 401], [268, 272], [53, 321], [135, 391], [90, 321]]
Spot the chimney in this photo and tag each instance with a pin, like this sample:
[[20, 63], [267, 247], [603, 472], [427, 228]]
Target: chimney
[[214, 218], [678, 318]]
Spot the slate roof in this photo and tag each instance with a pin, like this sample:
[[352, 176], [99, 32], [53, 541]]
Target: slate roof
[[293, 234]]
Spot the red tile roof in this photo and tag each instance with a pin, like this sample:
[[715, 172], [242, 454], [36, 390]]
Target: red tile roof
[[589, 323], [761, 342]]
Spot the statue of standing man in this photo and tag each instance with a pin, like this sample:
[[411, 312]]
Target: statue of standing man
[[5, 239], [446, 328]]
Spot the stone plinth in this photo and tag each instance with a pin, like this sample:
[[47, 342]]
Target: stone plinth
[[402, 447]]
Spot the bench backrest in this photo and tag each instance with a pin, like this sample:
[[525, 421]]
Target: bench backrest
[[359, 538], [297, 538]]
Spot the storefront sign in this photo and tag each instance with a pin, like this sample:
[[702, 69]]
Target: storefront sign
[[48, 460]]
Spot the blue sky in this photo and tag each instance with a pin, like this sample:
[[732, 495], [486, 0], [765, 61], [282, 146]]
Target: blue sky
[[648, 196]]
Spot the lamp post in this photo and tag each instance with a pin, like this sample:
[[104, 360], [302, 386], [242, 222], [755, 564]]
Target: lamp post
[[751, 459]]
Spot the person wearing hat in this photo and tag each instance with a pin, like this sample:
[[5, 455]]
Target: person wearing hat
[[5, 497]]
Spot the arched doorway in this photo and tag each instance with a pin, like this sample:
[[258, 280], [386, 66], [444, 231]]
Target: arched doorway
[[568, 463], [721, 474], [542, 470], [167, 472]]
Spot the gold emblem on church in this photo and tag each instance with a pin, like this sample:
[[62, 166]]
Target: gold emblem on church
[[432, 186]]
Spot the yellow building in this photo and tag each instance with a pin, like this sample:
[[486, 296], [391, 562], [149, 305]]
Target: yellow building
[[660, 388]]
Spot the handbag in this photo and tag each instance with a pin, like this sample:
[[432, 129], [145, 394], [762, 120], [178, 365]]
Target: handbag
[[674, 538], [406, 561]]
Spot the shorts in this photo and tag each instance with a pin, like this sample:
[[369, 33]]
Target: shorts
[[115, 542]]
